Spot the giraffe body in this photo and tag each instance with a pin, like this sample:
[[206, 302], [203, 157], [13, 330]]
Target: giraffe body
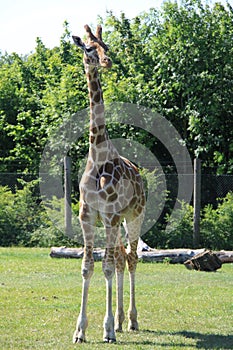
[[111, 190]]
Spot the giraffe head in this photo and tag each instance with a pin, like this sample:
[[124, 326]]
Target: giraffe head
[[94, 49]]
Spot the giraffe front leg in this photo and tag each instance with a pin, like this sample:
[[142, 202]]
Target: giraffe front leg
[[82, 322], [87, 272], [109, 269], [87, 220], [109, 332]]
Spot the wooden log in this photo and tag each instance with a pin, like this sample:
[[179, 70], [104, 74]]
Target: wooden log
[[64, 252], [226, 256], [74, 253], [205, 261], [173, 256]]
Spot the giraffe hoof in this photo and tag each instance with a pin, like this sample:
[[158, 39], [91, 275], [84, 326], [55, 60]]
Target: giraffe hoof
[[110, 340], [119, 330], [78, 341], [133, 327]]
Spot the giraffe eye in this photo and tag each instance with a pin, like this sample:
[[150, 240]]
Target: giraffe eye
[[89, 49]]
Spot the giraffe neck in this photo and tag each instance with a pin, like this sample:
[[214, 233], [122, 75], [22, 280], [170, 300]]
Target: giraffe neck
[[98, 133], [101, 148]]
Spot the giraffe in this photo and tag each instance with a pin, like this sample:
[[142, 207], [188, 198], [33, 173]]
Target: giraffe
[[111, 190]]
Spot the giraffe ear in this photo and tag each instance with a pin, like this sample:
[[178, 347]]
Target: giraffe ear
[[78, 42]]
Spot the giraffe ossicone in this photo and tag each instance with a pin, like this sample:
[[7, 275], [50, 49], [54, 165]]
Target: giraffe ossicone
[[111, 189]]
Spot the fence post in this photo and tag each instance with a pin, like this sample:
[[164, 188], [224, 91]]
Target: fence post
[[67, 195], [196, 202]]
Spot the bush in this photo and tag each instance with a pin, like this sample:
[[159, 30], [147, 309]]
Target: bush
[[20, 214], [179, 232], [217, 225], [52, 228], [154, 187], [24, 220], [216, 228], [8, 232]]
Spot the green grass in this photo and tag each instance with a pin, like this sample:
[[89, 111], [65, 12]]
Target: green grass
[[177, 308]]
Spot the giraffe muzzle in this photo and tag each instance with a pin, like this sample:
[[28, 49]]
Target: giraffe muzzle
[[106, 62]]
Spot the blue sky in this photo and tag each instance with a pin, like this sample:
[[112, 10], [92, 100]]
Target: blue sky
[[21, 21]]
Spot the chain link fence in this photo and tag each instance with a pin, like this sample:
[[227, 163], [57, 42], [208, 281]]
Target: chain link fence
[[213, 187]]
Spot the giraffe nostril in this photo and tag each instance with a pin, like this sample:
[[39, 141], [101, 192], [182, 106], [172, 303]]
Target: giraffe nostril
[[106, 61]]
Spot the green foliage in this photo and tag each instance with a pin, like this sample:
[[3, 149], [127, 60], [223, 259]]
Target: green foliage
[[179, 232], [217, 225], [158, 195], [52, 229], [35, 93], [48, 235], [25, 222], [7, 232], [175, 232], [19, 215], [177, 60]]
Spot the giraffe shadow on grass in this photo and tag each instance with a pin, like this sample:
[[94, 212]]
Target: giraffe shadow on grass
[[203, 341]]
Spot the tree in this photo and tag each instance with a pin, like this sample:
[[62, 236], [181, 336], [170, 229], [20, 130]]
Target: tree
[[35, 93], [179, 62]]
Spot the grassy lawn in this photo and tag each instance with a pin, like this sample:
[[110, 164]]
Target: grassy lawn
[[177, 308]]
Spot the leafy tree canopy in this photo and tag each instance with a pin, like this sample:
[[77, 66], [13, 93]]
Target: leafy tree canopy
[[177, 60]]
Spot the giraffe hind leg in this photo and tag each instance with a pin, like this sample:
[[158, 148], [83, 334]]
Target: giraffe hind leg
[[132, 264], [108, 270], [120, 262], [109, 264]]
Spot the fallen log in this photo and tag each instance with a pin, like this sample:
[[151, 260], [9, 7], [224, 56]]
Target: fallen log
[[205, 261], [74, 253], [173, 256], [225, 256]]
